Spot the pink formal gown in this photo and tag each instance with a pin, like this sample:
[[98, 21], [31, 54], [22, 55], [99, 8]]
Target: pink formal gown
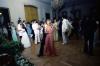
[[49, 49]]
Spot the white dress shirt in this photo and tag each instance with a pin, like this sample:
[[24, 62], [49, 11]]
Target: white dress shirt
[[66, 25]]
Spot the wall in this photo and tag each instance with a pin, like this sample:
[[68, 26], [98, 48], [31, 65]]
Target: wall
[[84, 9], [16, 8], [83, 6]]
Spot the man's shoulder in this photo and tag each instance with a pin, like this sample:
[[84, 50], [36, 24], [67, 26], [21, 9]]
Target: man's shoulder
[[65, 19]]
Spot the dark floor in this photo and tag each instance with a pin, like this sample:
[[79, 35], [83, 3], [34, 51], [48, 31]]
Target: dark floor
[[68, 55]]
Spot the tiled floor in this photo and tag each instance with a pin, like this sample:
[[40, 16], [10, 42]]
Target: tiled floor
[[68, 55]]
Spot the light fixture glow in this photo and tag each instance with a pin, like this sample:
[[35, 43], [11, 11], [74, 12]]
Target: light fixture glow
[[0, 13]]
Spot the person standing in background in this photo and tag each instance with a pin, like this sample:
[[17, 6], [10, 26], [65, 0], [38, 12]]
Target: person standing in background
[[42, 41], [76, 25], [41, 31], [29, 31], [35, 27], [88, 27], [14, 33], [65, 29], [60, 29], [55, 24]]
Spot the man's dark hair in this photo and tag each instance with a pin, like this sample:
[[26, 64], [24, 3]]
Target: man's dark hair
[[19, 21], [64, 16]]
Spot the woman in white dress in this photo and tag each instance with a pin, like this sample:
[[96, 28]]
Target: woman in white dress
[[24, 37]]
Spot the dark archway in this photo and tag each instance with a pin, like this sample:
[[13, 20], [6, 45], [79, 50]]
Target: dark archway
[[5, 21]]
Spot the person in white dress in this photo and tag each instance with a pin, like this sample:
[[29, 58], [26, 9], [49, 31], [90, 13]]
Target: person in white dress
[[24, 37]]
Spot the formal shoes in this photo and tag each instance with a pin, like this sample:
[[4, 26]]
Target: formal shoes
[[39, 55], [64, 43]]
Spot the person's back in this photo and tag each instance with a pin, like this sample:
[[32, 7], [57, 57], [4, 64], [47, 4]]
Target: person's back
[[85, 25], [89, 25], [93, 25], [88, 28]]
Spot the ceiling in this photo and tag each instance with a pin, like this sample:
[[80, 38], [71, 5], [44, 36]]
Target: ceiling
[[45, 1], [68, 2]]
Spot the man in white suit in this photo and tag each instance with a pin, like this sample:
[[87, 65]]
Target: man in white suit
[[35, 27], [66, 27]]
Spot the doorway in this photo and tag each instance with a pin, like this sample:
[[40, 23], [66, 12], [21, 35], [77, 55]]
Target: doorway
[[47, 16], [5, 22]]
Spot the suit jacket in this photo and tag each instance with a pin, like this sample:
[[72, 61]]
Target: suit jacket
[[66, 25]]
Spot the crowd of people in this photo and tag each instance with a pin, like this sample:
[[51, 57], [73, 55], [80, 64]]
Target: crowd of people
[[41, 33], [45, 33]]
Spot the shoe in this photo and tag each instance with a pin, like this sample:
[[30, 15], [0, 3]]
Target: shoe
[[63, 43], [39, 55]]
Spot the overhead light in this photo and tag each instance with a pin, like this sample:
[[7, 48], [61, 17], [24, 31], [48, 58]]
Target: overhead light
[[0, 13], [57, 4]]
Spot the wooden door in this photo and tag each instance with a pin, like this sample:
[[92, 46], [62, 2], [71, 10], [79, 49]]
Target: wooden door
[[31, 12]]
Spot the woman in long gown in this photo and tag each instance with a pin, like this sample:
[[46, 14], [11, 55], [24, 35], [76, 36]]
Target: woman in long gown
[[14, 33], [55, 24], [24, 39], [49, 49]]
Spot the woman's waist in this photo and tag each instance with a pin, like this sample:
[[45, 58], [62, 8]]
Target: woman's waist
[[49, 33]]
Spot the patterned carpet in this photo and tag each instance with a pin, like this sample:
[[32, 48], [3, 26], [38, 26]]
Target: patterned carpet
[[70, 54]]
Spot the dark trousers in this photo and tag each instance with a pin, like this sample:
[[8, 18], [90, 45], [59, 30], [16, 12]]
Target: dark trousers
[[42, 45], [60, 34], [74, 32], [88, 42], [20, 37], [99, 33]]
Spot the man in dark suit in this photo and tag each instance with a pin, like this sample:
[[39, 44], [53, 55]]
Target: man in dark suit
[[42, 44], [88, 28]]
